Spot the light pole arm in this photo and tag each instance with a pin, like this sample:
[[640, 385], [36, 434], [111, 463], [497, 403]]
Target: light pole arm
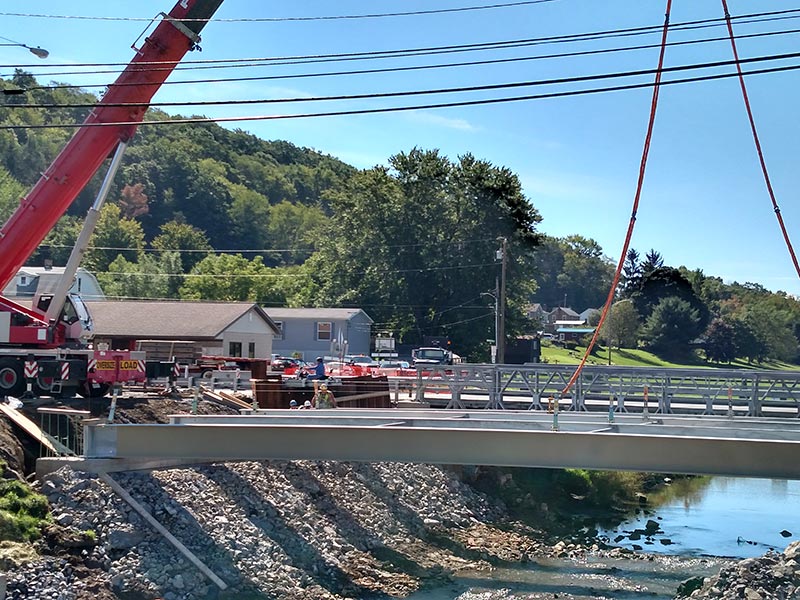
[[37, 51]]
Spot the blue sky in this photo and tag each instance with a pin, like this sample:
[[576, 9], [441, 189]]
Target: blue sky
[[704, 203]]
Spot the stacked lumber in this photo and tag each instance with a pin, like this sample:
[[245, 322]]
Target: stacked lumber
[[224, 398]]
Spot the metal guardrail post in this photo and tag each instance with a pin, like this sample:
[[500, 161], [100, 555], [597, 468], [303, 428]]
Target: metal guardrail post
[[730, 402], [611, 409], [420, 388], [645, 416], [664, 400], [195, 400], [755, 408], [495, 401], [709, 404], [113, 409], [555, 413]]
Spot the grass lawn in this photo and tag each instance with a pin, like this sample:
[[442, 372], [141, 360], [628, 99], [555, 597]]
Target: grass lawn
[[626, 357]]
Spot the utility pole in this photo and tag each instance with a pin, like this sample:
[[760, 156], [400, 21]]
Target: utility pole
[[495, 354], [501, 304]]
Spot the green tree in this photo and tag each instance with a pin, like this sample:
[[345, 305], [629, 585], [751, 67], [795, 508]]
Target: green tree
[[672, 325], [113, 236], [720, 341], [190, 242], [652, 262], [773, 327], [667, 282], [249, 214], [631, 273], [293, 230], [747, 344], [152, 277], [586, 275], [416, 247], [11, 191], [621, 328], [58, 244], [228, 277], [572, 271]]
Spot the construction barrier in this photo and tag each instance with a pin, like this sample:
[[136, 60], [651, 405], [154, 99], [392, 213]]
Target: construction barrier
[[267, 392], [355, 392]]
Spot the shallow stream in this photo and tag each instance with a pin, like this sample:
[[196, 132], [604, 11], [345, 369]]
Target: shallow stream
[[701, 519]]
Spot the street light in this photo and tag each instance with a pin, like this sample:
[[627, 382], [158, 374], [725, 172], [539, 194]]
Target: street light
[[37, 51]]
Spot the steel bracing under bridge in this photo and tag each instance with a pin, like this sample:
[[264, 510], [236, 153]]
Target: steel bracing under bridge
[[736, 446]]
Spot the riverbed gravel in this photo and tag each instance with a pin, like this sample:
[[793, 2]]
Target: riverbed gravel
[[280, 529]]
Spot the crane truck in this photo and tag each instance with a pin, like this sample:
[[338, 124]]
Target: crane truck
[[47, 344]]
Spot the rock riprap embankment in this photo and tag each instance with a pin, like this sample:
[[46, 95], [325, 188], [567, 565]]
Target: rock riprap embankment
[[774, 576], [287, 529]]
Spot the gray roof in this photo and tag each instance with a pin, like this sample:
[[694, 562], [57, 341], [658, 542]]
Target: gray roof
[[575, 330], [169, 320], [329, 314]]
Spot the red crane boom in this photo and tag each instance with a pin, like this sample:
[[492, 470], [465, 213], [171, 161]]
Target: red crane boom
[[75, 165], [48, 351]]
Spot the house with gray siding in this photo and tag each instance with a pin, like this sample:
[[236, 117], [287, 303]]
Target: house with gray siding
[[311, 332]]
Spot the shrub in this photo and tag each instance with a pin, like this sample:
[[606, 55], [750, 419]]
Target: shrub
[[22, 511]]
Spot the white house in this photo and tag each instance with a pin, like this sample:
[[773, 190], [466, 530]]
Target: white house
[[30, 280], [218, 328]]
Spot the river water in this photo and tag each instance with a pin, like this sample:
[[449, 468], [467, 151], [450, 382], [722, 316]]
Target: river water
[[723, 516], [702, 524]]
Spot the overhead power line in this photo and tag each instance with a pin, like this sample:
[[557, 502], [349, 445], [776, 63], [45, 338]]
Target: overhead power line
[[421, 51], [295, 275], [340, 113], [428, 244], [408, 93], [286, 19], [413, 67]]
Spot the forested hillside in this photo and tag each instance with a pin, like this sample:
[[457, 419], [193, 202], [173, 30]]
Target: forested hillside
[[202, 212]]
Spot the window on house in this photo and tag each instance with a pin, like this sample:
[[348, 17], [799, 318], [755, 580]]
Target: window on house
[[279, 325], [23, 280], [234, 348], [251, 350], [324, 329]]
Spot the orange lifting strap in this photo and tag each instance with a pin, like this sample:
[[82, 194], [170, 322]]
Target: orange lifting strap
[[643, 166], [639, 185]]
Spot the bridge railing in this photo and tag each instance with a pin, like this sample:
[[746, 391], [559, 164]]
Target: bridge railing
[[623, 389]]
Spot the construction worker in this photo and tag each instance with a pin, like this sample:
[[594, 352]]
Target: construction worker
[[318, 374], [324, 398]]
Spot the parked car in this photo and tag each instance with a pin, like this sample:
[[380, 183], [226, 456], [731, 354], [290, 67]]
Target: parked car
[[361, 360], [395, 364], [396, 368], [282, 363]]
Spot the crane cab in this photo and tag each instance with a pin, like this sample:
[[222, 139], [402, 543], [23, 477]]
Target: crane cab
[[74, 317]]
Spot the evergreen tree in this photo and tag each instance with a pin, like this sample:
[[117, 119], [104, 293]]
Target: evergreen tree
[[671, 327]]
